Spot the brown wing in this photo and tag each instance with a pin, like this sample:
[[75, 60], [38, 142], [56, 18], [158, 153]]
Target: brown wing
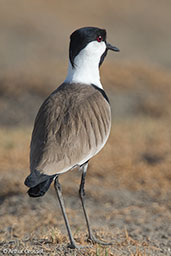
[[71, 126]]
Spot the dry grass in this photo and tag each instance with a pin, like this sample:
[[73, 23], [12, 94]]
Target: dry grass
[[136, 160], [121, 165], [128, 183]]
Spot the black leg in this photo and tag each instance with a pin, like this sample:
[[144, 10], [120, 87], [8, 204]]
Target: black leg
[[61, 202], [91, 237]]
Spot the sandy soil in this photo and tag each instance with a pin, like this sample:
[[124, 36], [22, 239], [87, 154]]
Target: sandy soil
[[128, 184]]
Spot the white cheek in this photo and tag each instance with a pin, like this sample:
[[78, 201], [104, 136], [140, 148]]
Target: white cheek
[[91, 54], [95, 48], [86, 65]]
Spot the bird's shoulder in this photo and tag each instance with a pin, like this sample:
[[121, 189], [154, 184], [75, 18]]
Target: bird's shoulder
[[66, 101], [70, 96]]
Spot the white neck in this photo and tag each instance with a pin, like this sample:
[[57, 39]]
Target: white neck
[[86, 65]]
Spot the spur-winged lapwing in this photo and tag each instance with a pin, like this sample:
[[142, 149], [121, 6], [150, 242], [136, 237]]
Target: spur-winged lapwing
[[73, 123]]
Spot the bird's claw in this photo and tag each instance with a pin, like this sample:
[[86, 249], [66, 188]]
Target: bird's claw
[[94, 240]]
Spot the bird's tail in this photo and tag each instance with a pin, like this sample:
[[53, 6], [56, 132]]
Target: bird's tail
[[38, 183]]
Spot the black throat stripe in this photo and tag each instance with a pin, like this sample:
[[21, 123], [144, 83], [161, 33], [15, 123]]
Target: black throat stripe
[[102, 92]]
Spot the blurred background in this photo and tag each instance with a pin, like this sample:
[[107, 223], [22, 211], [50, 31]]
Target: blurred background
[[34, 40], [34, 52]]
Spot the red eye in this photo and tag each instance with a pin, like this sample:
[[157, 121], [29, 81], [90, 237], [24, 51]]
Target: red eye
[[99, 39]]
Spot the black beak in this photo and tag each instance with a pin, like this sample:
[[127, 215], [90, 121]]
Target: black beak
[[112, 48]]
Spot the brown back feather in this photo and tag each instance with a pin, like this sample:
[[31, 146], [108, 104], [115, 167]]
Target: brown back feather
[[72, 123]]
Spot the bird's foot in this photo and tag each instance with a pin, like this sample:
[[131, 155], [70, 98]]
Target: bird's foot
[[94, 240], [75, 246]]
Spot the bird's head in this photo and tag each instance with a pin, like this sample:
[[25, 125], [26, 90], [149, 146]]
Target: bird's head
[[89, 44]]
